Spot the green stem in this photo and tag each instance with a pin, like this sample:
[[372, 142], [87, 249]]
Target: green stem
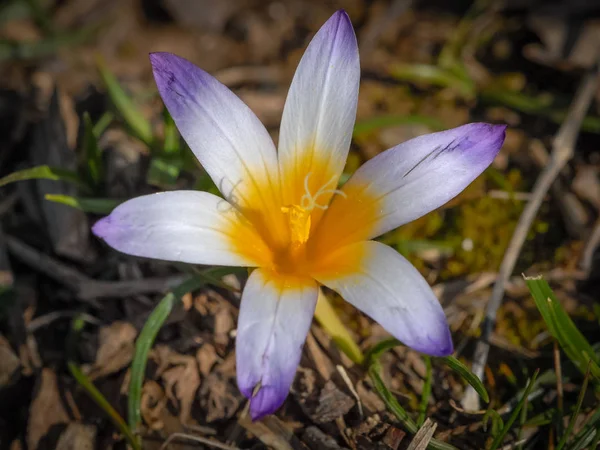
[[91, 390], [331, 323], [101, 401]]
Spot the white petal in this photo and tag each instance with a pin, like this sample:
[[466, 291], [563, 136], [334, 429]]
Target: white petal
[[320, 109], [410, 180], [224, 134], [275, 316], [187, 226], [392, 292]]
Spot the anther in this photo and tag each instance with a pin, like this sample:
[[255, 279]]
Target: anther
[[309, 202]]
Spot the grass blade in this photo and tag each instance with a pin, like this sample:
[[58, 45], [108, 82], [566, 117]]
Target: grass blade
[[44, 173], [390, 400], [496, 419], [517, 100], [101, 401], [166, 166], [560, 325], [11, 49], [172, 143], [590, 433], [392, 404], [430, 74], [371, 359], [130, 113], [91, 152], [90, 205], [375, 352], [596, 440], [91, 390], [163, 171], [467, 375], [103, 123], [573, 419], [514, 415], [147, 336], [368, 126]]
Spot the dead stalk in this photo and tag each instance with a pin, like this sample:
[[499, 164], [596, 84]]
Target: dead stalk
[[562, 151]]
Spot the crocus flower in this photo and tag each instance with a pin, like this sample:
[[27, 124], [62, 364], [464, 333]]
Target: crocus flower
[[283, 213]]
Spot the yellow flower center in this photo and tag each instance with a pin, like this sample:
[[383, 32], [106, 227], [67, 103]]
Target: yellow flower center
[[296, 230], [299, 223]]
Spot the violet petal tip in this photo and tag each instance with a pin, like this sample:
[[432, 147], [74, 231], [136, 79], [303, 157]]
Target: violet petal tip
[[100, 228], [266, 401], [440, 345]]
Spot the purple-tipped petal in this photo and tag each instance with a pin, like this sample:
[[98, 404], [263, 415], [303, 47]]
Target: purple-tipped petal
[[187, 226], [268, 399], [224, 134], [320, 110], [275, 316], [412, 179], [392, 292]]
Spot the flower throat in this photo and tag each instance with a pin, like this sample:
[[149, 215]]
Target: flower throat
[[299, 215]]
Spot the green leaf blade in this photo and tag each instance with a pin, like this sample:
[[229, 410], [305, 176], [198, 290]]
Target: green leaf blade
[[124, 105], [562, 328], [467, 375], [515, 414], [93, 392], [148, 335], [43, 173], [91, 153], [90, 205]]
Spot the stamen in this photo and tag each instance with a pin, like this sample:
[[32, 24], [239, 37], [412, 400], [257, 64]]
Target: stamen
[[309, 202], [299, 215]]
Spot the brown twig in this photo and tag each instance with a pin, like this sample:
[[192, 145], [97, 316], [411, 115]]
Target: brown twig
[[85, 288], [559, 380], [562, 151], [342, 371], [589, 248], [47, 319]]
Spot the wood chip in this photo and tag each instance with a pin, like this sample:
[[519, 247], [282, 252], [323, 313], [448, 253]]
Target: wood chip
[[77, 437], [269, 435], [219, 395], [152, 404], [46, 409], [321, 361], [9, 362], [206, 357], [181, 384], [393, 437], [423, 436], [115, 352], [332, 403], [317, 440], [369, 399], [224, 323]]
